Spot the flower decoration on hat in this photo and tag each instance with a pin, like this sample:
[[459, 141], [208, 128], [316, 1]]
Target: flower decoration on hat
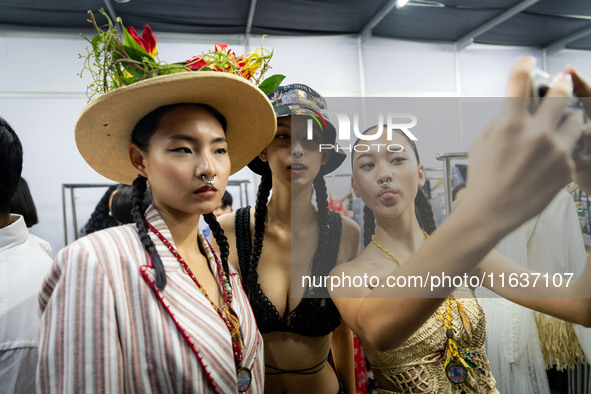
[[147, 40], [116, 61]]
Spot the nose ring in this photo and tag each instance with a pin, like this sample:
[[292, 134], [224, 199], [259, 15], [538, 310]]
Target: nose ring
[[208, 182], [384, 183], [297, 157]]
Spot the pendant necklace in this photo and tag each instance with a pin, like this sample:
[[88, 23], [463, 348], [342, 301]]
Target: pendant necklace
[[456, 361], [243, 374]]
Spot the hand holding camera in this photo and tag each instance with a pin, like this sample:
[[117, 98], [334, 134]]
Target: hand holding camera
[[541, 83], [525, 153]]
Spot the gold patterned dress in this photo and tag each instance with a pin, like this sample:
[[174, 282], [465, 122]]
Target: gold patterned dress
[[416, 366]]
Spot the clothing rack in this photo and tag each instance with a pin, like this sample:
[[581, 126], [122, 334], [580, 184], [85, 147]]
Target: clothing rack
[[72, 187], [447, 158], [243, 186]]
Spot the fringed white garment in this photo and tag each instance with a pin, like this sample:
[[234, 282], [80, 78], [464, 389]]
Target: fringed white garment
[[551, 242]]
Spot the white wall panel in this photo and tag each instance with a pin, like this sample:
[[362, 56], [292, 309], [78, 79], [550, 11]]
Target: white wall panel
[[484, 70], [327, 64], [30, 64], [401, 67]]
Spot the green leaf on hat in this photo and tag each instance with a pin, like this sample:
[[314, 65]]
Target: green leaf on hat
[[134, 71], [131, 42], [271, 84], [96, 45], [136, 54]]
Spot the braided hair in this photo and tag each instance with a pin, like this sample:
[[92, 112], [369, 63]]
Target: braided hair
[[141, 136], [260, 214], [423, 209]]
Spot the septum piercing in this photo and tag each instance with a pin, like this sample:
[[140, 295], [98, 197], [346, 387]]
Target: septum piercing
[[297, 158], [208, 182], [384, 184]]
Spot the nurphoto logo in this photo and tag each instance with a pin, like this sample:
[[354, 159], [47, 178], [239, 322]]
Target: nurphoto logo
[[394, 121]]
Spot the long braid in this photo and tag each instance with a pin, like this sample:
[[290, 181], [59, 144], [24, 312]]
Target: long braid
[[425, 211], [322, 205], [220, 238], [329, 237], [369, 225], [260, 214], [139, 190], [323, 221]]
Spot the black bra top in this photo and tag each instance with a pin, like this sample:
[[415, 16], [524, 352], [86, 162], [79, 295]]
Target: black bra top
[[316, 315]]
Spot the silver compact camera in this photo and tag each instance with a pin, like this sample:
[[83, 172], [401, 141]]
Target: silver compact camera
[[541, 83]]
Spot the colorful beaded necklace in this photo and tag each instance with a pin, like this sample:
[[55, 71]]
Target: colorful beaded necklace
[[243, 374], [456, 361]]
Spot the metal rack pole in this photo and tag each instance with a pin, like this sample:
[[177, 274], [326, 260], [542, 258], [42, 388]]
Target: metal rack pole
[[447, 158]]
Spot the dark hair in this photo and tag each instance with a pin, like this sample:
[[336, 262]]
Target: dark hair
[[100, 219], [11, 164], [423, 209], [227, 199], [141, 135], [260, 214], [22, 203], [122, 203]]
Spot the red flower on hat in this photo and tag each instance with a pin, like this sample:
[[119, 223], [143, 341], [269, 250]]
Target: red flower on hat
[[220, 59], [196, 63], [221, 47], [147, 40]]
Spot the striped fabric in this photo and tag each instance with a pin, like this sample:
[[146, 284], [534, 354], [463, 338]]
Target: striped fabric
[[106, 329]]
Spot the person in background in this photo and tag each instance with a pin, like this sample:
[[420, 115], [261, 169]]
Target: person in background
[[23, 265], [121, 203], [101, 217], [22, 204], [225, 206]]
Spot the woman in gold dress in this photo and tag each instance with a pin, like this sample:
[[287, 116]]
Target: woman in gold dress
[[421, 342]]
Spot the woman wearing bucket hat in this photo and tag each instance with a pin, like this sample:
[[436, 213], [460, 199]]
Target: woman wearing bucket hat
[[296, 323], [150, 307]]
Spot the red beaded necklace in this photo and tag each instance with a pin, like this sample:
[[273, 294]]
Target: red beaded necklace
[[226, 314]]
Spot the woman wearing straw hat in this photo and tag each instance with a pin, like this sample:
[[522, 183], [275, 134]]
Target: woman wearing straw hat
[[299, 327], [150, 307]]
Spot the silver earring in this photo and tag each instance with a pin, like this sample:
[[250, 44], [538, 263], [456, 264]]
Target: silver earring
[[208, 182], [384, 183], [297, 158]]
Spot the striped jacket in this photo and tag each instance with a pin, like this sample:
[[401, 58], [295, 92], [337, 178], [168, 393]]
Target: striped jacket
[[107, 329]]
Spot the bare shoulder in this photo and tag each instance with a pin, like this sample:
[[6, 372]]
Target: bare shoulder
[[350, 227], [227, 221]]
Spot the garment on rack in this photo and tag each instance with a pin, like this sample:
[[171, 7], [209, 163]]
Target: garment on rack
[[551, 242]]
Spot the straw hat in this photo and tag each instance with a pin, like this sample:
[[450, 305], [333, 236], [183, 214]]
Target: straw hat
[[103, 130]]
